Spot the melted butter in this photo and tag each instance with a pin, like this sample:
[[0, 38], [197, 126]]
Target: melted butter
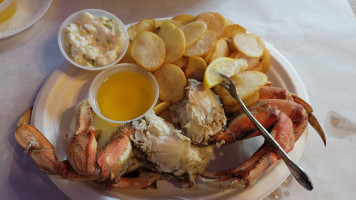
[[125, 96], [103, 130]]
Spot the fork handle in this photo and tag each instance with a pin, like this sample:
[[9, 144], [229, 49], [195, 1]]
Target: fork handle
[[297, 171]]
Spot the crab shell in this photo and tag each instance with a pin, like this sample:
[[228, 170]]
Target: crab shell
[[84, 162]]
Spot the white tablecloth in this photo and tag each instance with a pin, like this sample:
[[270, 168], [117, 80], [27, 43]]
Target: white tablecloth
[[318, 37]]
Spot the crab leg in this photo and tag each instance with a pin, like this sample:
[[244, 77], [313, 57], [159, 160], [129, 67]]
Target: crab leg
[[311, 118], [249, 171], [268, 92], [82, 150], [281, 93], [38, 147], [115, 157], [294, 111], [241, 126], [145, 180], [67, 172]]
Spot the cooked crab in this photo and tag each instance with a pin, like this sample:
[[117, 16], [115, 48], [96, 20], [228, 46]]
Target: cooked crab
[[201, 117], [162, 149], [85, 162], [166, 150]]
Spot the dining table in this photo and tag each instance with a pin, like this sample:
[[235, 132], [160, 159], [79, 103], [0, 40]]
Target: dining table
[[317, 38]]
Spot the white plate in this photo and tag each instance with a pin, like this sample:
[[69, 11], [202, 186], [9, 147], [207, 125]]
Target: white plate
[[69, 85], [27, 13]]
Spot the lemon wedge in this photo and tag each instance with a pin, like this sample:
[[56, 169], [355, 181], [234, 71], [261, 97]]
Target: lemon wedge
[[224, 65]]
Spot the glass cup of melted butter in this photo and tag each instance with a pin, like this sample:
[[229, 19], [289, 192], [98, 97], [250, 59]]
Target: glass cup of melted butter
[[123, 92]]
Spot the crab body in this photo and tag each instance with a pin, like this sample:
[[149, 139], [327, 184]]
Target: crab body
[[167, 148]]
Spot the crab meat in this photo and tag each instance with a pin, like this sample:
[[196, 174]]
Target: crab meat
[[200, 114], [144, 180], [167, 148]]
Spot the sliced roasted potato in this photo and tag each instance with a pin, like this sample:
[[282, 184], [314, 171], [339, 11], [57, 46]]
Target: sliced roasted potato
[[181, 62], [233, 54], [251, 100], [143, 25], [230, 43], [253, 63], [148, 50], [159, 22], [208, 56], [174, 39], [221, 50], [195, 68], [224, 96], [231, 30], [266, 61], [193, 31], [258, 67], [258, 64], [171, 81], [247, 83], [228, 22], [203, 45], [249, 44], [159, 108], [214, 21], [184, 18]]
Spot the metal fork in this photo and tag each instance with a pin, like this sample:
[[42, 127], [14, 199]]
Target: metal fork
[[298, 173]]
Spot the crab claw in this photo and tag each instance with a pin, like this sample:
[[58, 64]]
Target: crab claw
[[241, 126], [82, 154], [268, 92], [311, 118], [293, 110], [115, 157], [82, 119], [67, 172], [248, 172], [38, 147], [144, 180]]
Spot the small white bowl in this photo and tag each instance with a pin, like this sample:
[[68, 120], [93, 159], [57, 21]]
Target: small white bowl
[[74, 18], [127, 67]]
